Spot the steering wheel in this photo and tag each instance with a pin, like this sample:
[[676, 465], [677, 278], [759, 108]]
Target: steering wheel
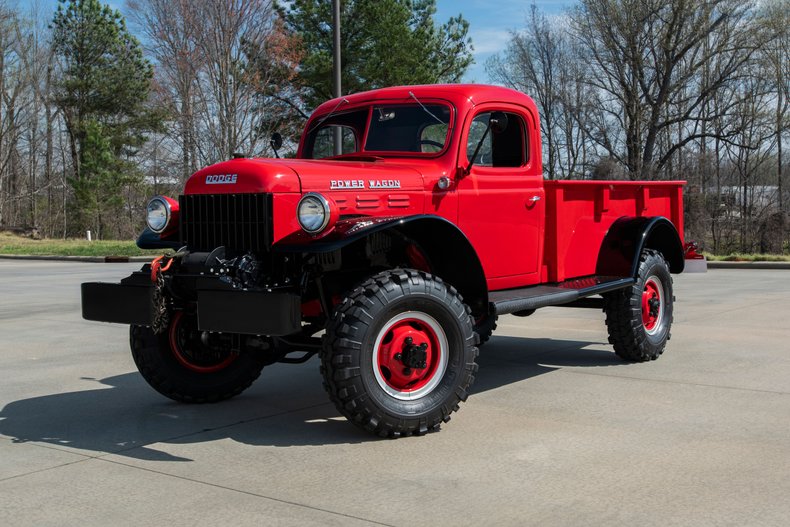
[[430, 142]]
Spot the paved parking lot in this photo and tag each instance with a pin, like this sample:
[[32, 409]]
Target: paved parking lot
[[558, 431]]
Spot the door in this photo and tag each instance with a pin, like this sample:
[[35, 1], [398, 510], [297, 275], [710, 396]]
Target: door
[[501, 199]]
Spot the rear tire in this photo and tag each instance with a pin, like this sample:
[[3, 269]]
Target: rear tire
[[179, 366], [639, 318], [374, 335]]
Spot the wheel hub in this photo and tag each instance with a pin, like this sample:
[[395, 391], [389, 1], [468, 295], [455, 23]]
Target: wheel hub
[[410, 355], [651, 305], [192, 348], [413, 355]]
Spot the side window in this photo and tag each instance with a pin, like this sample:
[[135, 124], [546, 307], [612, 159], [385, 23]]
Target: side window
[[504, 149], [324, 145]]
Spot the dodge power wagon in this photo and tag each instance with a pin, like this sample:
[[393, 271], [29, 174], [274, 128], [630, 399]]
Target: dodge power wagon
[[409, 219]]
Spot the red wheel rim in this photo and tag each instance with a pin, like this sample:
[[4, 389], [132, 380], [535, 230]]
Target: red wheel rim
[[391, 353], [201, 358], [652, 305]]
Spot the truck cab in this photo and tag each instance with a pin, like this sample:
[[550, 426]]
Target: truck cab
[[409, 220]]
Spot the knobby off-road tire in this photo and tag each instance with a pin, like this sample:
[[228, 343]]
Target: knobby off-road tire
[[485, 327], [366, 346], [639, 318], [177, 365]]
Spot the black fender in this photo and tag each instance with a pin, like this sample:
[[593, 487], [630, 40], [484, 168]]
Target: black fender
[[447, 248], [628, 236], [148, 239]]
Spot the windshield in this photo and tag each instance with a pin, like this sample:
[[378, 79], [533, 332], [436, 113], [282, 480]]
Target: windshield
[[402, 128]]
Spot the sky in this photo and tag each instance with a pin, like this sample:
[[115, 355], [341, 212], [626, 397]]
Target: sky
[[490, 24]]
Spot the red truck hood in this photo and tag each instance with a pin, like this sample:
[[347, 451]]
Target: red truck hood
[[300, 175]]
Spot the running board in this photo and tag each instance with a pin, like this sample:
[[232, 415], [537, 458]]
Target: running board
[[534, 297]]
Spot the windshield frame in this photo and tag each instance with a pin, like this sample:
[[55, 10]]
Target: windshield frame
[[369, 105]]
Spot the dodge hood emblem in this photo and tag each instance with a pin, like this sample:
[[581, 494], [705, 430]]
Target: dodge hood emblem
[[221, 179]]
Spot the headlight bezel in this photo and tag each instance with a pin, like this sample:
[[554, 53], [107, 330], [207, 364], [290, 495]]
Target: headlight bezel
[[168, 214], [326, 207]]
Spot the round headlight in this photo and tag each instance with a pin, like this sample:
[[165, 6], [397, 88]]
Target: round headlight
[[158, 214], [313, 213]]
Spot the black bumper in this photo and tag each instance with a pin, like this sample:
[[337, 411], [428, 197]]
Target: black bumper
[[231, 311]]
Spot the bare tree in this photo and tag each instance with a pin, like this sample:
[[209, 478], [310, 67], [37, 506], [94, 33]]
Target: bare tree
[[172, 33], [219, 64], [540, 61], [644, 57], [776, 57]]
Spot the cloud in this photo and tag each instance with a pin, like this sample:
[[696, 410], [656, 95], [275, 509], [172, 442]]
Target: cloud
[[489, 40]]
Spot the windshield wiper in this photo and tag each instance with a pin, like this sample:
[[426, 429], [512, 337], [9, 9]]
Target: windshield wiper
[[327, 116], [355, 156], [411, 93]]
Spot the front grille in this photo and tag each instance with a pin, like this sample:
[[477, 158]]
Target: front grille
[[237, 221]]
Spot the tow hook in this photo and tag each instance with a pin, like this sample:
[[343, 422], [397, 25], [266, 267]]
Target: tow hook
[[161, 318], [413, 355]]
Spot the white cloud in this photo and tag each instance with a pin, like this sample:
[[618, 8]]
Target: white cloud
[[489, 40]]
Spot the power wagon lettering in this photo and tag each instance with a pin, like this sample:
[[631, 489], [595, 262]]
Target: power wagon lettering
[[393, 291], [384, 183], [350, 184], [342, 184]]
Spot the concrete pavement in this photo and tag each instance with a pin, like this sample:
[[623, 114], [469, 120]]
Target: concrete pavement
[[557, 432]]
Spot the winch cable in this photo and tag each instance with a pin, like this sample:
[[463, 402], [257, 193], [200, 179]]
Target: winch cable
[[161, 315]]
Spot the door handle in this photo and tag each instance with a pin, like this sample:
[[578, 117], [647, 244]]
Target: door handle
[[534, 199]]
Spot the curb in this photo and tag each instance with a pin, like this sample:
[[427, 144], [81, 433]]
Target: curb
[[91, 259], [748, 265]]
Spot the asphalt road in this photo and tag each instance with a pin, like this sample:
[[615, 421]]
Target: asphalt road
[[557, 432]]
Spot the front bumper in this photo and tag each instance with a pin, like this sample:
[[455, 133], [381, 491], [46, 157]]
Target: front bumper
[[274, 313]]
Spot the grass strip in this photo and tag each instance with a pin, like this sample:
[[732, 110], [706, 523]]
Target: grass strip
[[11, 244], [742, 257]]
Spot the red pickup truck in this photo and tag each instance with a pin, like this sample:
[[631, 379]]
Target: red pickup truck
[[410, 218]]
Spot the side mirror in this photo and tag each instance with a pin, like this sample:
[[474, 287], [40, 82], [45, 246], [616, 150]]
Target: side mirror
[[276, 142], [498, 122]]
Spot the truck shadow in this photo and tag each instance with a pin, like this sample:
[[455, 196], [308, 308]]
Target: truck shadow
[[286, 407]]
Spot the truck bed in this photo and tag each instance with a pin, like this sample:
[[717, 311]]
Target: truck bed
[[579, 214]]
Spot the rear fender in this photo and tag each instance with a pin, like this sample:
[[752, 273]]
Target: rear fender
[[629, 236], [449, 252]]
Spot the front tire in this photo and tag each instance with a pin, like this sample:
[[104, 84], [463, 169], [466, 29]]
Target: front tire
[[399, 353], [639, 318], [485, 327], [180, 366]]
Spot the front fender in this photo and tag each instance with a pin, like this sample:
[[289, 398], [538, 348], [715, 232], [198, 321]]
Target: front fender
[[344, 232], [450, 253], [148, 239], [629, 236]]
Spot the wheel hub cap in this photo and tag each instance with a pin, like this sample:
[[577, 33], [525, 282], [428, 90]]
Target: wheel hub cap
[[410, 355], [652, 308], [413, 355], [191, 352]]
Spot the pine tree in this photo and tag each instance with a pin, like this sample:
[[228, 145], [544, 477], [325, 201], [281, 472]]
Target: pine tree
[[102, 92]]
